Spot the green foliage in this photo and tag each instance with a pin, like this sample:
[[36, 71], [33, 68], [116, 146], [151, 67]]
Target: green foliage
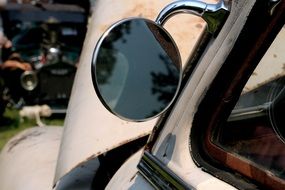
[[10, 125]]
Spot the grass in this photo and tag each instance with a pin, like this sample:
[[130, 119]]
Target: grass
[[10, 125]]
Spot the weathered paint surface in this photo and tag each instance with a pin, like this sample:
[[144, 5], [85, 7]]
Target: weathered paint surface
[[177, 154], [28, 160], [89, 125], [179, 125], [127, 176], [271, 66], [90, 130]]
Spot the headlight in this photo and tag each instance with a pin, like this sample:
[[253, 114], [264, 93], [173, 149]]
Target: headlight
[[29, 80]]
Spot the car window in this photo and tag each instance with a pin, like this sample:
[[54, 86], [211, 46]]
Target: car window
[[255, 130]]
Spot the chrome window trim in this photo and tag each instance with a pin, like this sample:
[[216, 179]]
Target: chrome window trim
[[159, 175]]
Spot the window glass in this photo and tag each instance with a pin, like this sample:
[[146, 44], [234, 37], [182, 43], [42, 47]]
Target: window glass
[[255, 131]]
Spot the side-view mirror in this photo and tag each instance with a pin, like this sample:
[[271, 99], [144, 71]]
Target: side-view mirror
[[136, 66], [136, 69]]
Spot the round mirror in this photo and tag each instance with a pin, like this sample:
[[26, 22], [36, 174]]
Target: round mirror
[[136, 69]]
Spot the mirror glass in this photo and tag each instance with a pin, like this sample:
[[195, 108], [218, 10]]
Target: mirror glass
[[136, 69]]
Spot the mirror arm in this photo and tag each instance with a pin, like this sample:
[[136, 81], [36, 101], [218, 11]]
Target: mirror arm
[[182, 6], [213, 14]]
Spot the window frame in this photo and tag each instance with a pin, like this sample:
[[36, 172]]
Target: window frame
[[258, 33]]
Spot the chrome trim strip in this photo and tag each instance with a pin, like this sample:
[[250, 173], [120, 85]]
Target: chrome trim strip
[[272, 5], [249, 113], [161, 177]]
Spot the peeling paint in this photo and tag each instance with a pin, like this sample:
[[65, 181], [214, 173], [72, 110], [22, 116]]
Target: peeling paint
[[133, 177], [271, 66], [16, 142], [29, 159], [199, 25], [94, 156], [139, 9]]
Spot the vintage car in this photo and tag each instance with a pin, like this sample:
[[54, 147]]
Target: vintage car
[[213, 121], [49, 37]]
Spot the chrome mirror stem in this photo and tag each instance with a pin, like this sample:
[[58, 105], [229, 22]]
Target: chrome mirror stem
[[213, 14], [182, 6]]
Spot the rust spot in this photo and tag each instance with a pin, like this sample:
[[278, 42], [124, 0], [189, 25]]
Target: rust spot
[[94, 156], [81, 164], [139, 10], [17, 141], [133, 177], [99, 153], [128, 140], [283, 67], [199, 25], [89, 158], [266, 81]]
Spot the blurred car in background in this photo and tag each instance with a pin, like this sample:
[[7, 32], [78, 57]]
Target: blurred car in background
[[49, 37]]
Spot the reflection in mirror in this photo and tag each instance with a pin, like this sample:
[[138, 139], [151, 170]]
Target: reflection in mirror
[[136, 69]]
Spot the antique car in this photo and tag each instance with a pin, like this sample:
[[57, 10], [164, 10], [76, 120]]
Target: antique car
[[211, 119], [49, 37]]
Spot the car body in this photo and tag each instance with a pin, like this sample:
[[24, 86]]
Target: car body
[[191, 145]]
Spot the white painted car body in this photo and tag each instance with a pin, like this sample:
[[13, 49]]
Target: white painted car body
[[90, 130], [28, 160], [179, 122], [172, 147]]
